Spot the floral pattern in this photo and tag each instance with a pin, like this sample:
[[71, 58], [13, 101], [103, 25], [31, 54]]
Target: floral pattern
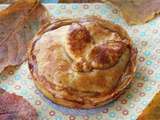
[[138, 94]]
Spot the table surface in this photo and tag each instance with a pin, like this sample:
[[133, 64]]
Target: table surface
[[148, 27], [139, 94], [56, 1]]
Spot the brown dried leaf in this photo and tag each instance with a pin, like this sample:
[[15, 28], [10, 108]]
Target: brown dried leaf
[[138, 11], [152, 112], [7, 1], [18, 24], [13, 107]]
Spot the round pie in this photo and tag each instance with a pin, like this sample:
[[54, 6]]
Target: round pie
[[82, 63]]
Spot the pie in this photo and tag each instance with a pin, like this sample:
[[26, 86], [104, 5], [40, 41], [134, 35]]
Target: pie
[[82, 62]]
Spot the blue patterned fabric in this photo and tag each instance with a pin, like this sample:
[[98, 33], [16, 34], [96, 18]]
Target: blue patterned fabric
[[49, 1]]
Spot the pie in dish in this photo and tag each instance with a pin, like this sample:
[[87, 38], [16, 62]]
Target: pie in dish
[[82, 63]]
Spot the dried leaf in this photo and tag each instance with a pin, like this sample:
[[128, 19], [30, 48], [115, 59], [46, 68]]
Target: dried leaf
[[18, 24], [13, 107], [7, 1], [137, 11], [152, 112]]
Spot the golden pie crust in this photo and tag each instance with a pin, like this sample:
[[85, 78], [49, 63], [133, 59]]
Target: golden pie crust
[[82, 63]]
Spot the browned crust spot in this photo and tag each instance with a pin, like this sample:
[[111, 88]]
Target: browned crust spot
[[79, 37], [107, 54]]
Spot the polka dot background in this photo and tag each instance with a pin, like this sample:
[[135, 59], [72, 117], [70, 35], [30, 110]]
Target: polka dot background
[[138, 94]]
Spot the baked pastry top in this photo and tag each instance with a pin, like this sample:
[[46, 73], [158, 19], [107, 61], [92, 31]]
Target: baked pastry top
[[82, 63]]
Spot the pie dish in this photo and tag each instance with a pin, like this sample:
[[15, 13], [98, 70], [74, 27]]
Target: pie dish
[[82, 63]]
